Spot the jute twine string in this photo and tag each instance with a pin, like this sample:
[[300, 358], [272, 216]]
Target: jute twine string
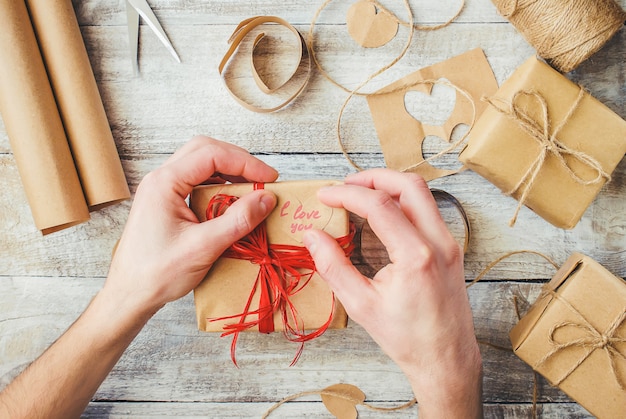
[[451, 147], [542, 132], [564, 32], [592, 340], [480, 276], [357, 91], [338, 395], [413, 401]]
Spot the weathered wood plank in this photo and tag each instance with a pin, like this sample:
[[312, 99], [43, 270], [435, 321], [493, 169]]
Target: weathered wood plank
[[85, 250], [180, 12], [47, 281], [190, 98], [308, 409], [171, 361]]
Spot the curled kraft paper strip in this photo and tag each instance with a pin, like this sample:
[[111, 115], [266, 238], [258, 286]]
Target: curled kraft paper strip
[[267, 85], [34, 126], [79, 102]]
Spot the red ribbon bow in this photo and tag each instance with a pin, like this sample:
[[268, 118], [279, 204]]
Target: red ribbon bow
[[284, 270]]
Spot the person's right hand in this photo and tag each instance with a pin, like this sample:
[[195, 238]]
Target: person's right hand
[[416, 308]]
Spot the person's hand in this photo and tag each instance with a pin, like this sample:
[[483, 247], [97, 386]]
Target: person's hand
[[164, 251], [416, 308]]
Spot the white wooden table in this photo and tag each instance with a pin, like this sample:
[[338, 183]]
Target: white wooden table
[[172, 369]]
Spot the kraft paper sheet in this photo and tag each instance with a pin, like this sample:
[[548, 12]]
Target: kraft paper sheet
[[34, 126], [75, 89], [401, 135], [54, 116]]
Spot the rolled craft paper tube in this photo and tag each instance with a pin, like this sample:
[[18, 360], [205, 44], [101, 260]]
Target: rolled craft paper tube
[[80, 105], [34, 126]]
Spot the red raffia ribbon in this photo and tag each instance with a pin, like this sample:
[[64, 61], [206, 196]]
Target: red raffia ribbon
[[284, 270]]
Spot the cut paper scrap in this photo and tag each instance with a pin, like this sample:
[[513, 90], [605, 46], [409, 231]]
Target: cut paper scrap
[[264, 78], [370, 25], [341, 401], [401, 135]]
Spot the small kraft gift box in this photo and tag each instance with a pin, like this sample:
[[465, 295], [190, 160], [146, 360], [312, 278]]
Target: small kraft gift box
[[267, 281], [575, 336], [545, 141]]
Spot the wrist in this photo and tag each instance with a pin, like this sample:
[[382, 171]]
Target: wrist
[[123, 310], [450, 386]]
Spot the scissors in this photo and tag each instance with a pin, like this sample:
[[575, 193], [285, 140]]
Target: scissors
[[134, 9]]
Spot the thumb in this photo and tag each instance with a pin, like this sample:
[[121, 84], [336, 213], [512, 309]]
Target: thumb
[[351, 288], [216, 235]]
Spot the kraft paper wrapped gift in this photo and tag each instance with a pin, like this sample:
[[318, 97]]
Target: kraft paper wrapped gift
[[547, 143], [227, 287], [575, 336]]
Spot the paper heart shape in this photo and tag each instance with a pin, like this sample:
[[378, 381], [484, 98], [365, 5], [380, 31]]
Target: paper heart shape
[[341, 400], [369, 26]]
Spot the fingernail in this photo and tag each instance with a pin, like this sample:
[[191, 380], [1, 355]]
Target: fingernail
[[323, 190], [310, 241], [268, 202]]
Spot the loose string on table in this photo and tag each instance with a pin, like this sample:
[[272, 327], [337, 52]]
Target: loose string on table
[[480, 276], [284, 270], [357, 401], [340, 395], [357, 91]]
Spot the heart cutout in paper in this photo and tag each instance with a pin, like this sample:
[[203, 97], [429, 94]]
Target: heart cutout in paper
[[434, 109], [341, 400], [369, 26]]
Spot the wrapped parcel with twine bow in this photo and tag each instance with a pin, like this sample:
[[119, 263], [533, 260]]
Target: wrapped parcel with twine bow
[[546, 142], [267, 281], [575, 336]]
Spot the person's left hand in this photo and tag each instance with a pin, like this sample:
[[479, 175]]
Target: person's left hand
[[164, 251]]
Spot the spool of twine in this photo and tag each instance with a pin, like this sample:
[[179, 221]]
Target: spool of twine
[[564, 32]]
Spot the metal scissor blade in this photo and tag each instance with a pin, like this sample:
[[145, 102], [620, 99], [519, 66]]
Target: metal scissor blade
[[144, 10], [133, 35]]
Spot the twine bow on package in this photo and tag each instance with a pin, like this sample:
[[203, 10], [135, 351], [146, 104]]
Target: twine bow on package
[[548, 143], [267, 280], [575, 336], [54, 116]]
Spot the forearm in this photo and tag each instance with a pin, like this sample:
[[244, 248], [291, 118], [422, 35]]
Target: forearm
[[62, 381]]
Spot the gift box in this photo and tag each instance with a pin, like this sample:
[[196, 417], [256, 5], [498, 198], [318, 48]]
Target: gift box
[[231, 288], [546, 142], [575, 336]]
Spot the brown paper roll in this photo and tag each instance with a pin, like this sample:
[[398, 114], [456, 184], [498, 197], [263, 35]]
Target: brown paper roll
[[79, 102], [34, 126]]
